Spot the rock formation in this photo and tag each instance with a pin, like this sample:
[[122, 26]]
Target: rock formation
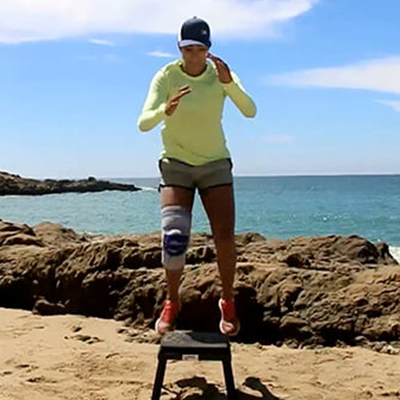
[[302, 291], [16, 185]]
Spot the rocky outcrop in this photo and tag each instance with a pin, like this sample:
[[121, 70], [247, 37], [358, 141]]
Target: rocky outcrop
[[303, 291], [15, 185]]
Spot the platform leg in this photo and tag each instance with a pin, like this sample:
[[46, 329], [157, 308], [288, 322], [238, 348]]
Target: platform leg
[[162, 363], [229, 381]]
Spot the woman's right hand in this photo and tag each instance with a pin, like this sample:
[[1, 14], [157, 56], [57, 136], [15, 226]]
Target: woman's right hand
[[174, 100]]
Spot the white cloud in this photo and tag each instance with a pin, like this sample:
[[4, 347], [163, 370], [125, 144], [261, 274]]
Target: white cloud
[[34, 20], [161, 54], [395, 104], [381, 75], [102, 42]]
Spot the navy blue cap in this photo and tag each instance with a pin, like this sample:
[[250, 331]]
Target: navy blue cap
[[194, 31]]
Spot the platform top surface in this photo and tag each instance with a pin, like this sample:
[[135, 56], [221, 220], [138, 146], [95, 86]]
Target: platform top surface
[[192, 339]]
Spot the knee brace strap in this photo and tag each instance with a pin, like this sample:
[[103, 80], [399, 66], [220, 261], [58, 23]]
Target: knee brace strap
[[176, 224]]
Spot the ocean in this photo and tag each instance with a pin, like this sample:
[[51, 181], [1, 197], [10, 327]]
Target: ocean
[[276, 207]]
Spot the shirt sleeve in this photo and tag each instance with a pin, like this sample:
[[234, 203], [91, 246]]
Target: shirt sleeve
[[154, 107], [235, 91]]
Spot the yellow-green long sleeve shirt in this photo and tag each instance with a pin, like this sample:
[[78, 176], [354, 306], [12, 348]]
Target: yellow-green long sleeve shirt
[[193, 133]]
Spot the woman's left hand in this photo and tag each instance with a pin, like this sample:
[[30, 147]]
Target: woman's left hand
[[224, 73]]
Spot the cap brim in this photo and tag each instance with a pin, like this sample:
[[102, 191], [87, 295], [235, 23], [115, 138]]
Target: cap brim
[[188, 42]]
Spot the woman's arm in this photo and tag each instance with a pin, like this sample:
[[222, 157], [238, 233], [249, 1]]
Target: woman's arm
[[154, 107], [233, 88], [238, 95]]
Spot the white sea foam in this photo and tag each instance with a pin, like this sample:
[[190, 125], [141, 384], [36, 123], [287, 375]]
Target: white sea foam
[[395, 252], [148, 189]]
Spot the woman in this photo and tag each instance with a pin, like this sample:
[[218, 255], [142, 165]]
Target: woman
[[188, 95]]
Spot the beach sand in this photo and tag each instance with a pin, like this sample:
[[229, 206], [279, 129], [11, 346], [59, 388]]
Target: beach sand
[[73, 357]]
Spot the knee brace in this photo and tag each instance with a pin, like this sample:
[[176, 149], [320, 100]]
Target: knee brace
[[176, 225]]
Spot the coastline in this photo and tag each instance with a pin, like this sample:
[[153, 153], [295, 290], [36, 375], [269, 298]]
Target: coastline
[[275, 207], [12, 184], [293, 286]]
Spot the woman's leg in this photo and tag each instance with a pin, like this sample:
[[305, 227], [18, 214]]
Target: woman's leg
[[173, 196], [220, 208]]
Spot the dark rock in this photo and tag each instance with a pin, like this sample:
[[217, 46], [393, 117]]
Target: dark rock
[[296, 260], [44, 307], [15, 185]]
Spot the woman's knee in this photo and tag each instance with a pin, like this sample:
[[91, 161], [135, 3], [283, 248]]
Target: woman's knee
[[176, 227]]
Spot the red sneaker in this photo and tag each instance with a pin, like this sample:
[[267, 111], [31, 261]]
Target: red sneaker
[[229, 324], [166, 322]]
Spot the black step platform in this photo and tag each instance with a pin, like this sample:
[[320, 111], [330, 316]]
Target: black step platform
[[189, 345]]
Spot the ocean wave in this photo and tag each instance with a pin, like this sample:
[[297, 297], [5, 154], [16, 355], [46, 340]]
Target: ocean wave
[[148, 189], [395, 252]]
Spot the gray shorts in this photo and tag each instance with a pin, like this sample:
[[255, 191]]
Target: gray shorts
[[180, 174]]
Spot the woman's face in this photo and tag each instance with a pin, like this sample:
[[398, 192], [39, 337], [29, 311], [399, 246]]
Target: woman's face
[[194, 54]]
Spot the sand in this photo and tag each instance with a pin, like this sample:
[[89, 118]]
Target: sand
[[73, 357]]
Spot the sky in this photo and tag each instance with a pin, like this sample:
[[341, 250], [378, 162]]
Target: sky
[[325, 75]]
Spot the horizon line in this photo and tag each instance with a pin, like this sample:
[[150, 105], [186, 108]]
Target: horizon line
[[276, 175]]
